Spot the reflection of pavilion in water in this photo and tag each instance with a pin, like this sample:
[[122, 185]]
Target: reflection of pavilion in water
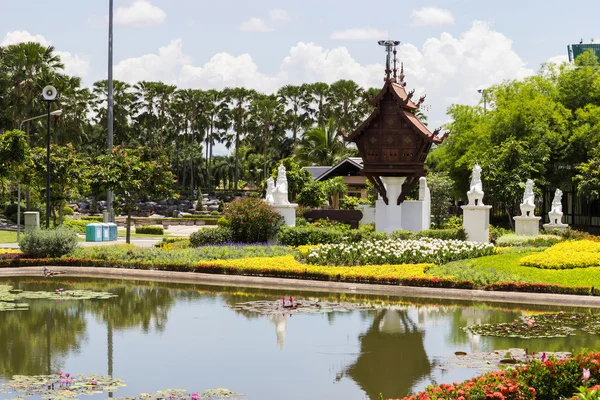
[[392, 356], [280, 321]]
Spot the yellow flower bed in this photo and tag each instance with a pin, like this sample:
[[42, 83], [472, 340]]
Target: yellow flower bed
[[291, 265], [10, 251], [305, 249], [566, 255]]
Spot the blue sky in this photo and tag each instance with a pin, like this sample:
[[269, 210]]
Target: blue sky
[[449, 47]]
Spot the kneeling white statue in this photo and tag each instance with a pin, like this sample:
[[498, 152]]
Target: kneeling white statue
[[280, 195], [556, 212], [475, 193], [270, 190], [528, 204]]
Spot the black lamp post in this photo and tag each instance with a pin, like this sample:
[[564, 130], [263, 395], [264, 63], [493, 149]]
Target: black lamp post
[[49, 94]]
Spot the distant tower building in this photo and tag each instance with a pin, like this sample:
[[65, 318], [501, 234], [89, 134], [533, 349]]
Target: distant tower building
[[576, 50]]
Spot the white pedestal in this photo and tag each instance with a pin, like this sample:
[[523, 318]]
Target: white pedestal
[[476, 223], [389, 216], [560, 227], [527, 226], [32, 220], [288, 211]]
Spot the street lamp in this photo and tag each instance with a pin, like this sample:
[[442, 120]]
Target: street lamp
[[484, 93], [54, 113], [49, 94]]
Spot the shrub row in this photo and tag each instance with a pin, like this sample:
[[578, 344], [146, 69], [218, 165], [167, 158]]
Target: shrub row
[[48, 243], [566, 255], [547, 379], [150, 230], [512, 240], [211, 236]]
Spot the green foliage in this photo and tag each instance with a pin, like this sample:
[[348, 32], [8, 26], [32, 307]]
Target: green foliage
[[218, 235], [40, 243], [91, 218], [441, 187], [444, 234], [466, 270], [214, 212], [252, 220], [300, 236], [402, 235], [221, 206], [512, 239], [14, 153], [150, 230], [77, 225], [224, 222], [496, 232], [68, 211], [351, 203], [333, 189], [321, 145], [199, 205], [454, 222], [588, 176], [312, 195]]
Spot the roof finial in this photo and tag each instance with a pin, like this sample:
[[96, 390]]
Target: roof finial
[[395, 65], [389, 45], [401, 72]]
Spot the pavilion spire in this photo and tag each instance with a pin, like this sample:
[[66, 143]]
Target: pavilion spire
[[390, 45]]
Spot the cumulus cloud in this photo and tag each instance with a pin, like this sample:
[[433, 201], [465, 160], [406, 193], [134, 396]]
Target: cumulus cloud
[[140, 13], [275, 16], [74, 64], [431, 16], [255, 25], [163, 66], [359, 34], [560, 59], [16, 37]]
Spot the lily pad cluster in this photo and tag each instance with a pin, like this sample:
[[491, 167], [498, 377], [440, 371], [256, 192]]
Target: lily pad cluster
[[10, 298], [283, 306], [182, 394], [492, 361], [549, 325], [59, 386]]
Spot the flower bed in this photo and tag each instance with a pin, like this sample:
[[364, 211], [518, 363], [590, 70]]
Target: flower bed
[[392, 251], [566, 255], [548, 380]]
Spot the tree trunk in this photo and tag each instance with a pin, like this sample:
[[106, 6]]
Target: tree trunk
[[237, 149], [192, 166], [510, 220], [265, 152], [128, 227]]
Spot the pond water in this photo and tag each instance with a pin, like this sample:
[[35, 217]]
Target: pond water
[[164, 335]]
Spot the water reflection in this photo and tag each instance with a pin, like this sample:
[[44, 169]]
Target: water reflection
[[393, 350]]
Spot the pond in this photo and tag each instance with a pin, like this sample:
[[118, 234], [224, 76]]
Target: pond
[[158, 335]]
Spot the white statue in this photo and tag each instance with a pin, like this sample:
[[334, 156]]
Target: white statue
[[270, 190], [556, 212], [528, 204], [475, 193], [280, 195]]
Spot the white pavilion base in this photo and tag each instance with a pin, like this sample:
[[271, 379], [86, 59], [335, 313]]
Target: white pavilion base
[[414, 215], [527, 226], [560, 227], [288, 211], [476, 223], [368, 214]]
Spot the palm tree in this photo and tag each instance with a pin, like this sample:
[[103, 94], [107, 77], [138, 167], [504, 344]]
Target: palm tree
[[76, 103], [239, 98], [295, 98], [123, 108], [321, 146], [268, 112], [344, 97], [318, 94]]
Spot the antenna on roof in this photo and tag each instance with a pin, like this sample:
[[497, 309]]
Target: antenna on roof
[[390, 45]]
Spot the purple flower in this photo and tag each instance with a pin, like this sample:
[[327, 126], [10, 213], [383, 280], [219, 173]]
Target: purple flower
[[543, 356], [586, 374], [67, 375], [195, 396], [59, 373]]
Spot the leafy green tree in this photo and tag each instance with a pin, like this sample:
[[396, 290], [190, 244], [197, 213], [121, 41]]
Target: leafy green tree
[[133, 175], [268, 112], [441, 188], [14, 153], [312, 195], [345, 95], [321, 146], [588, 176], [334, 188]]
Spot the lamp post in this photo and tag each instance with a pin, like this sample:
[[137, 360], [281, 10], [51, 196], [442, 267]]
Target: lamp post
[[57, 113], [110, 105], [49, 94], [484, 93]]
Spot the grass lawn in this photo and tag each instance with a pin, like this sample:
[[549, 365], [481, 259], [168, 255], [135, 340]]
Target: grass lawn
[[8, 237], [509, 262]]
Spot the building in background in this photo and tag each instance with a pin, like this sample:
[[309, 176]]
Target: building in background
[[575, 50]]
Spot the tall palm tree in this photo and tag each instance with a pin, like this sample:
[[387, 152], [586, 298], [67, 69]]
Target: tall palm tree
[[268, 112], [74, 125], [321, 146], [294, 97], [318, 94], [123, 108], [239, 99], [344, 97]]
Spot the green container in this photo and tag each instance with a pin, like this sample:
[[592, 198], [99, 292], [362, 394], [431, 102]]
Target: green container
[[93, 232], [105, 232]]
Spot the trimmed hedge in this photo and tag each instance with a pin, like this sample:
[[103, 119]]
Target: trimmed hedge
[[218, 235], [150, 230], [537, 288], [301, 236], [48, 243]]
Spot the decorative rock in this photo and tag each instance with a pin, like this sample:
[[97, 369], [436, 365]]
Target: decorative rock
[[555, 215]]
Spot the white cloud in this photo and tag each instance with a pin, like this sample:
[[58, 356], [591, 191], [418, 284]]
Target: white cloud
[[74, 64], [359, 34], [279, 15], [560, 59], [163, 66], [255, 25], [16, 37], [140, 13], [431, 16]]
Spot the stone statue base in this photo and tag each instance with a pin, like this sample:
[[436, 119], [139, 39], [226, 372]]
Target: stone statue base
[[412, 215], [560, 227], [527, 226], [476, 223], [288, 211]]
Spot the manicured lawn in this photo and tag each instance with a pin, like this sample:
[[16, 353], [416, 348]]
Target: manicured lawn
[[509, 262], [8, 237]]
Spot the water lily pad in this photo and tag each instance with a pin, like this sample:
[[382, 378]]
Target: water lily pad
[[58, 387], [182, 394], [492, 361], [9, 297], [521, 329], [298, 306]]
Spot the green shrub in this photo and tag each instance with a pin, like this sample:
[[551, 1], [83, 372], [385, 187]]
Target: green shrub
[[402, 235], [224, 222], [150, 230], [327, 223], [496, 232], [300, 211], [77, 224], [570, 234], [174, 243], [350, 203], [214, 212], [92, 218], [206, 236], [300, 236], [312, 195], [221, 206], [68, 211], [444, 234], [199, 204], [464, 270], [301, 221], [40, 243], [454, 222], [520, 240], [253, 220], [10, 209]]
